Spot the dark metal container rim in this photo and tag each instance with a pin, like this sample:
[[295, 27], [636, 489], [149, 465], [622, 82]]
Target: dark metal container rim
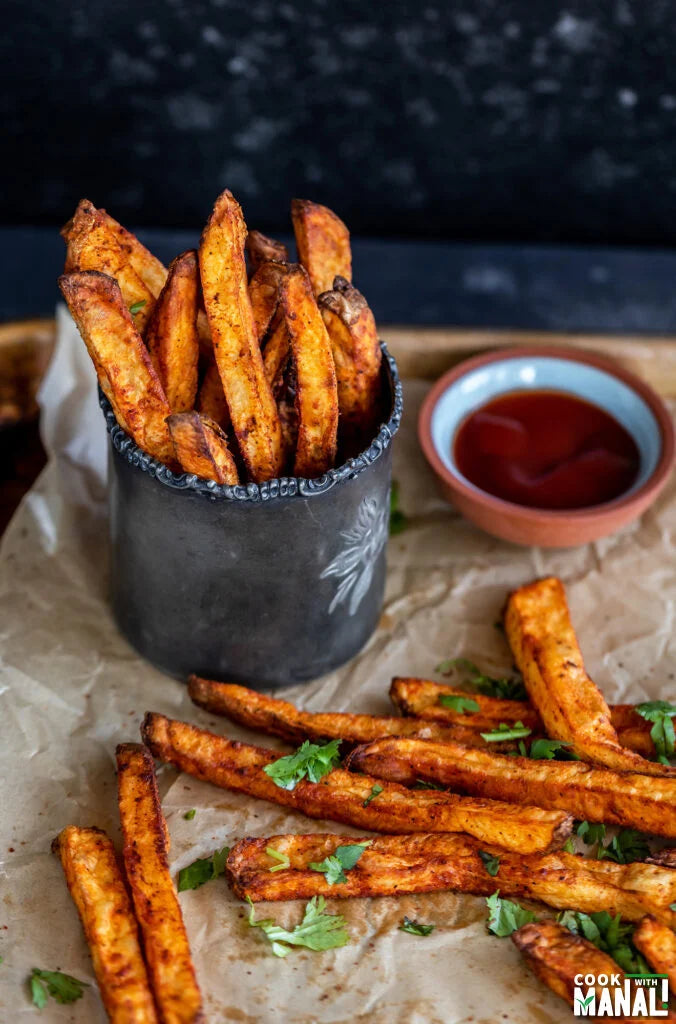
[[281, 487]]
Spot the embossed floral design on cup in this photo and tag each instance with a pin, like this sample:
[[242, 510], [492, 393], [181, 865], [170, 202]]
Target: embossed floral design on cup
[[354, 564]]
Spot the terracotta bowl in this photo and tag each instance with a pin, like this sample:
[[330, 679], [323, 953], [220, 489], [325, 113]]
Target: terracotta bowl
[[583, 374]]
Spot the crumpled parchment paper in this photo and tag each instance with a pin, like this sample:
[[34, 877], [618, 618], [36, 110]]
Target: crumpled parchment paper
[[71, 689]]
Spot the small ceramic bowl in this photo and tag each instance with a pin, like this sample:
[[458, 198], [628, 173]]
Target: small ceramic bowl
[[583, 374]]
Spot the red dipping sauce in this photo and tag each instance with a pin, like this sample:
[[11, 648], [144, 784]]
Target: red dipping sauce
[[546, 449]]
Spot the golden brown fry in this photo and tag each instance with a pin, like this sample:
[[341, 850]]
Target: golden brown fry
[[279, 718], [211, 399], [152, 271], [171, 335], [93, 245], [252, 407], [546, 651], [99, 892], [125, 371], [419, 698], [393, 865], [145, 852], [264, 295], [202, 447], [323, 244], [590, 793], [277, 349], [657, 942], [357, 355], [316, 391], [285, 394], [557, 957], [261, 249], [341, 796]]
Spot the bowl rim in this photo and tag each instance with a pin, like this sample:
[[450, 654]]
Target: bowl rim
[[279, 487], [586, 357]]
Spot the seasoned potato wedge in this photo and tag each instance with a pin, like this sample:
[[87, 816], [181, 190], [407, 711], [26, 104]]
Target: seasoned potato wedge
[[357, 356], [211, 398], [392, 865], [152, 271], [202, 447], [93, 245], [546, 651], [264, 295], [124, 368], [252, 408], [323, 244], [590, 793], [277, 349], [279, 718], [171, 335], [99, 892], [657, 942], [348, 798], [557, 957], [419, 698], [316, 391], [262, 249], [146, 843]]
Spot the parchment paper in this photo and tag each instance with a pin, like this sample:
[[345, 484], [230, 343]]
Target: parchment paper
[[71, 689]]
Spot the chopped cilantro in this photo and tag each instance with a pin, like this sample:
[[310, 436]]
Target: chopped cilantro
[[189, 815], [341, 860], [547, 750], [375, 791], [283, 860], [203, 870], [610, 935], [458, 703], [661, 714], [317, 930], [505, 916], [491, 863], [518, 731], [61, 987], [508, 688], [309, 761], [415, 928], [136, 307]]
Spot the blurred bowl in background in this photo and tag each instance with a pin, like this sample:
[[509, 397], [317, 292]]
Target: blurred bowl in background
[[25, 348]]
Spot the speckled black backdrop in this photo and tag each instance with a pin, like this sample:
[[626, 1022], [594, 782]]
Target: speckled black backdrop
[[518, 119]]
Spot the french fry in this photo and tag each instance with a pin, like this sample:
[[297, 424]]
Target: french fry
[[93, 245], [316, 391], [590, 793], [419, 698], [171, 335], [152, 271], [356, 354], [262, 249], [145, 852], [285, 394], [99, 892], [557, 957], [277, 349], [202, 447], [323, 244], [125, 371], [394, 865], [280, 718], [657, 942], [348, 798], [264, 295], [252, 407], [211, 398], [546, 651]]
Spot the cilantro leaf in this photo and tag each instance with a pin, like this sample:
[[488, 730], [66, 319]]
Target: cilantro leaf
[[546, 750], [491, 863], [282, 858], [609, 934], [189, 815], [317, 930], [591, 832], [626, 847], [375, 791], [518, 731], [505, 916], [136, 307], [61, 987], [661, 714], [509, 688], [341, 860], [422, 784], [203, 870], [569, 845], [672, 906], [457, 703], [310, 761], [415, 928], [398, 520]]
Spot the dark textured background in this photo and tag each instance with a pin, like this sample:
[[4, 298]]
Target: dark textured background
[[511, 120]]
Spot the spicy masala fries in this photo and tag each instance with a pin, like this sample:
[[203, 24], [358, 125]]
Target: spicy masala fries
[[123, 365], [419, 698], [211, 399], [261, 249], [99, 892], [546, 651], [171, 334], [202, 447], [264, 295], [152, 271], [323, 244], [392, 865], [145, 853], [657, 942], [635, 801], [251, 405], [348, 798]]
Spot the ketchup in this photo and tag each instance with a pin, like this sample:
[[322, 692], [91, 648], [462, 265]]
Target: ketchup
[[546, 449]]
